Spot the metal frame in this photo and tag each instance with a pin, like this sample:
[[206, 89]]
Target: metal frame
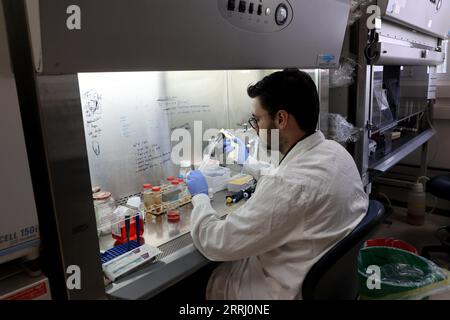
[[397, 155], [324, 90], [68, 168], [363, 92], [363, 106]]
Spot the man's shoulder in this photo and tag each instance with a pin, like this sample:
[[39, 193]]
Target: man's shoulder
[[333, 145], [319, 165], [337, 151]]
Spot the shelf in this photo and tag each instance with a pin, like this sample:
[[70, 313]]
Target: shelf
[[395, 123], [411, 115], [384, 128], [401, 148]]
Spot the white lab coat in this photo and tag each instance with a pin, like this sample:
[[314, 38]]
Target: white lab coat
[[298, 212]]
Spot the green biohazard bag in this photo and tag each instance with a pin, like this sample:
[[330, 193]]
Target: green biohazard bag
[[390, 274]]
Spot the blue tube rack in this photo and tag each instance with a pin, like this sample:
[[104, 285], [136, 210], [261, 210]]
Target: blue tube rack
[[119, 250]]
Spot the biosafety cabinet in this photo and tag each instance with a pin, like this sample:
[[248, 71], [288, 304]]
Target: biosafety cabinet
[[401, 47], [110, 79]]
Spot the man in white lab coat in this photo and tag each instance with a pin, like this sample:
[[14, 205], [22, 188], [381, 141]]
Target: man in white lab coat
[[299, 211]]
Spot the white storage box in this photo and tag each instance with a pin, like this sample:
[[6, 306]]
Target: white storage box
[[217, 178], [240, 182]]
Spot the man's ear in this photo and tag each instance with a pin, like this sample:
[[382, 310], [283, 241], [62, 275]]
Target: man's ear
[[282, 119]]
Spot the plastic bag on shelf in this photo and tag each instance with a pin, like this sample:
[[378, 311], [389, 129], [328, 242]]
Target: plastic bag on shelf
[[381, 112], [344, 75], [356, 10], [335, 127]]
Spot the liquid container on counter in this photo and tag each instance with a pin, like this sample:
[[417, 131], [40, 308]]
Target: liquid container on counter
[[147, 196], [185, 168], [104, 206], [125, 225], [172, 194]]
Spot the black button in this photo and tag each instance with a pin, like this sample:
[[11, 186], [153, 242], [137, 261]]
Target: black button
[[251, 8], [231, 5], [242, 6], [260, 10]]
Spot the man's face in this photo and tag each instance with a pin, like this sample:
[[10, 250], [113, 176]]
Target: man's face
[[264, 123]]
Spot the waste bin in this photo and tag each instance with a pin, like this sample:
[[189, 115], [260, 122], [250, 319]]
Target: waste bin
[[391, 273], [392, 243]]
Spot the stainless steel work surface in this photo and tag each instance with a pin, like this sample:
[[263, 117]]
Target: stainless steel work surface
[[179, 257]]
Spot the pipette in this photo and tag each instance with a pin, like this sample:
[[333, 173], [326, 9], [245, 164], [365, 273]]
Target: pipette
[[236, 197], [223, 134]]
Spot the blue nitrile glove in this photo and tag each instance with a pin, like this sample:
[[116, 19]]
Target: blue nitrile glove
[[196, 183], [242, 153]]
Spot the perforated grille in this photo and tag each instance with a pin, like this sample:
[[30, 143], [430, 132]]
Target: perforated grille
[[173, 246]]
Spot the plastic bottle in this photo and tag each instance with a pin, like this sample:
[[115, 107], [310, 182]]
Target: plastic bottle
[[157, 198], [184, 192], [170, 179], [147, 196], [185, 168], [104, 206], [173, 193], [416, 205], [177, 189]]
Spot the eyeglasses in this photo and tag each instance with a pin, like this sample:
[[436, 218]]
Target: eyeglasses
[[253, 123]]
